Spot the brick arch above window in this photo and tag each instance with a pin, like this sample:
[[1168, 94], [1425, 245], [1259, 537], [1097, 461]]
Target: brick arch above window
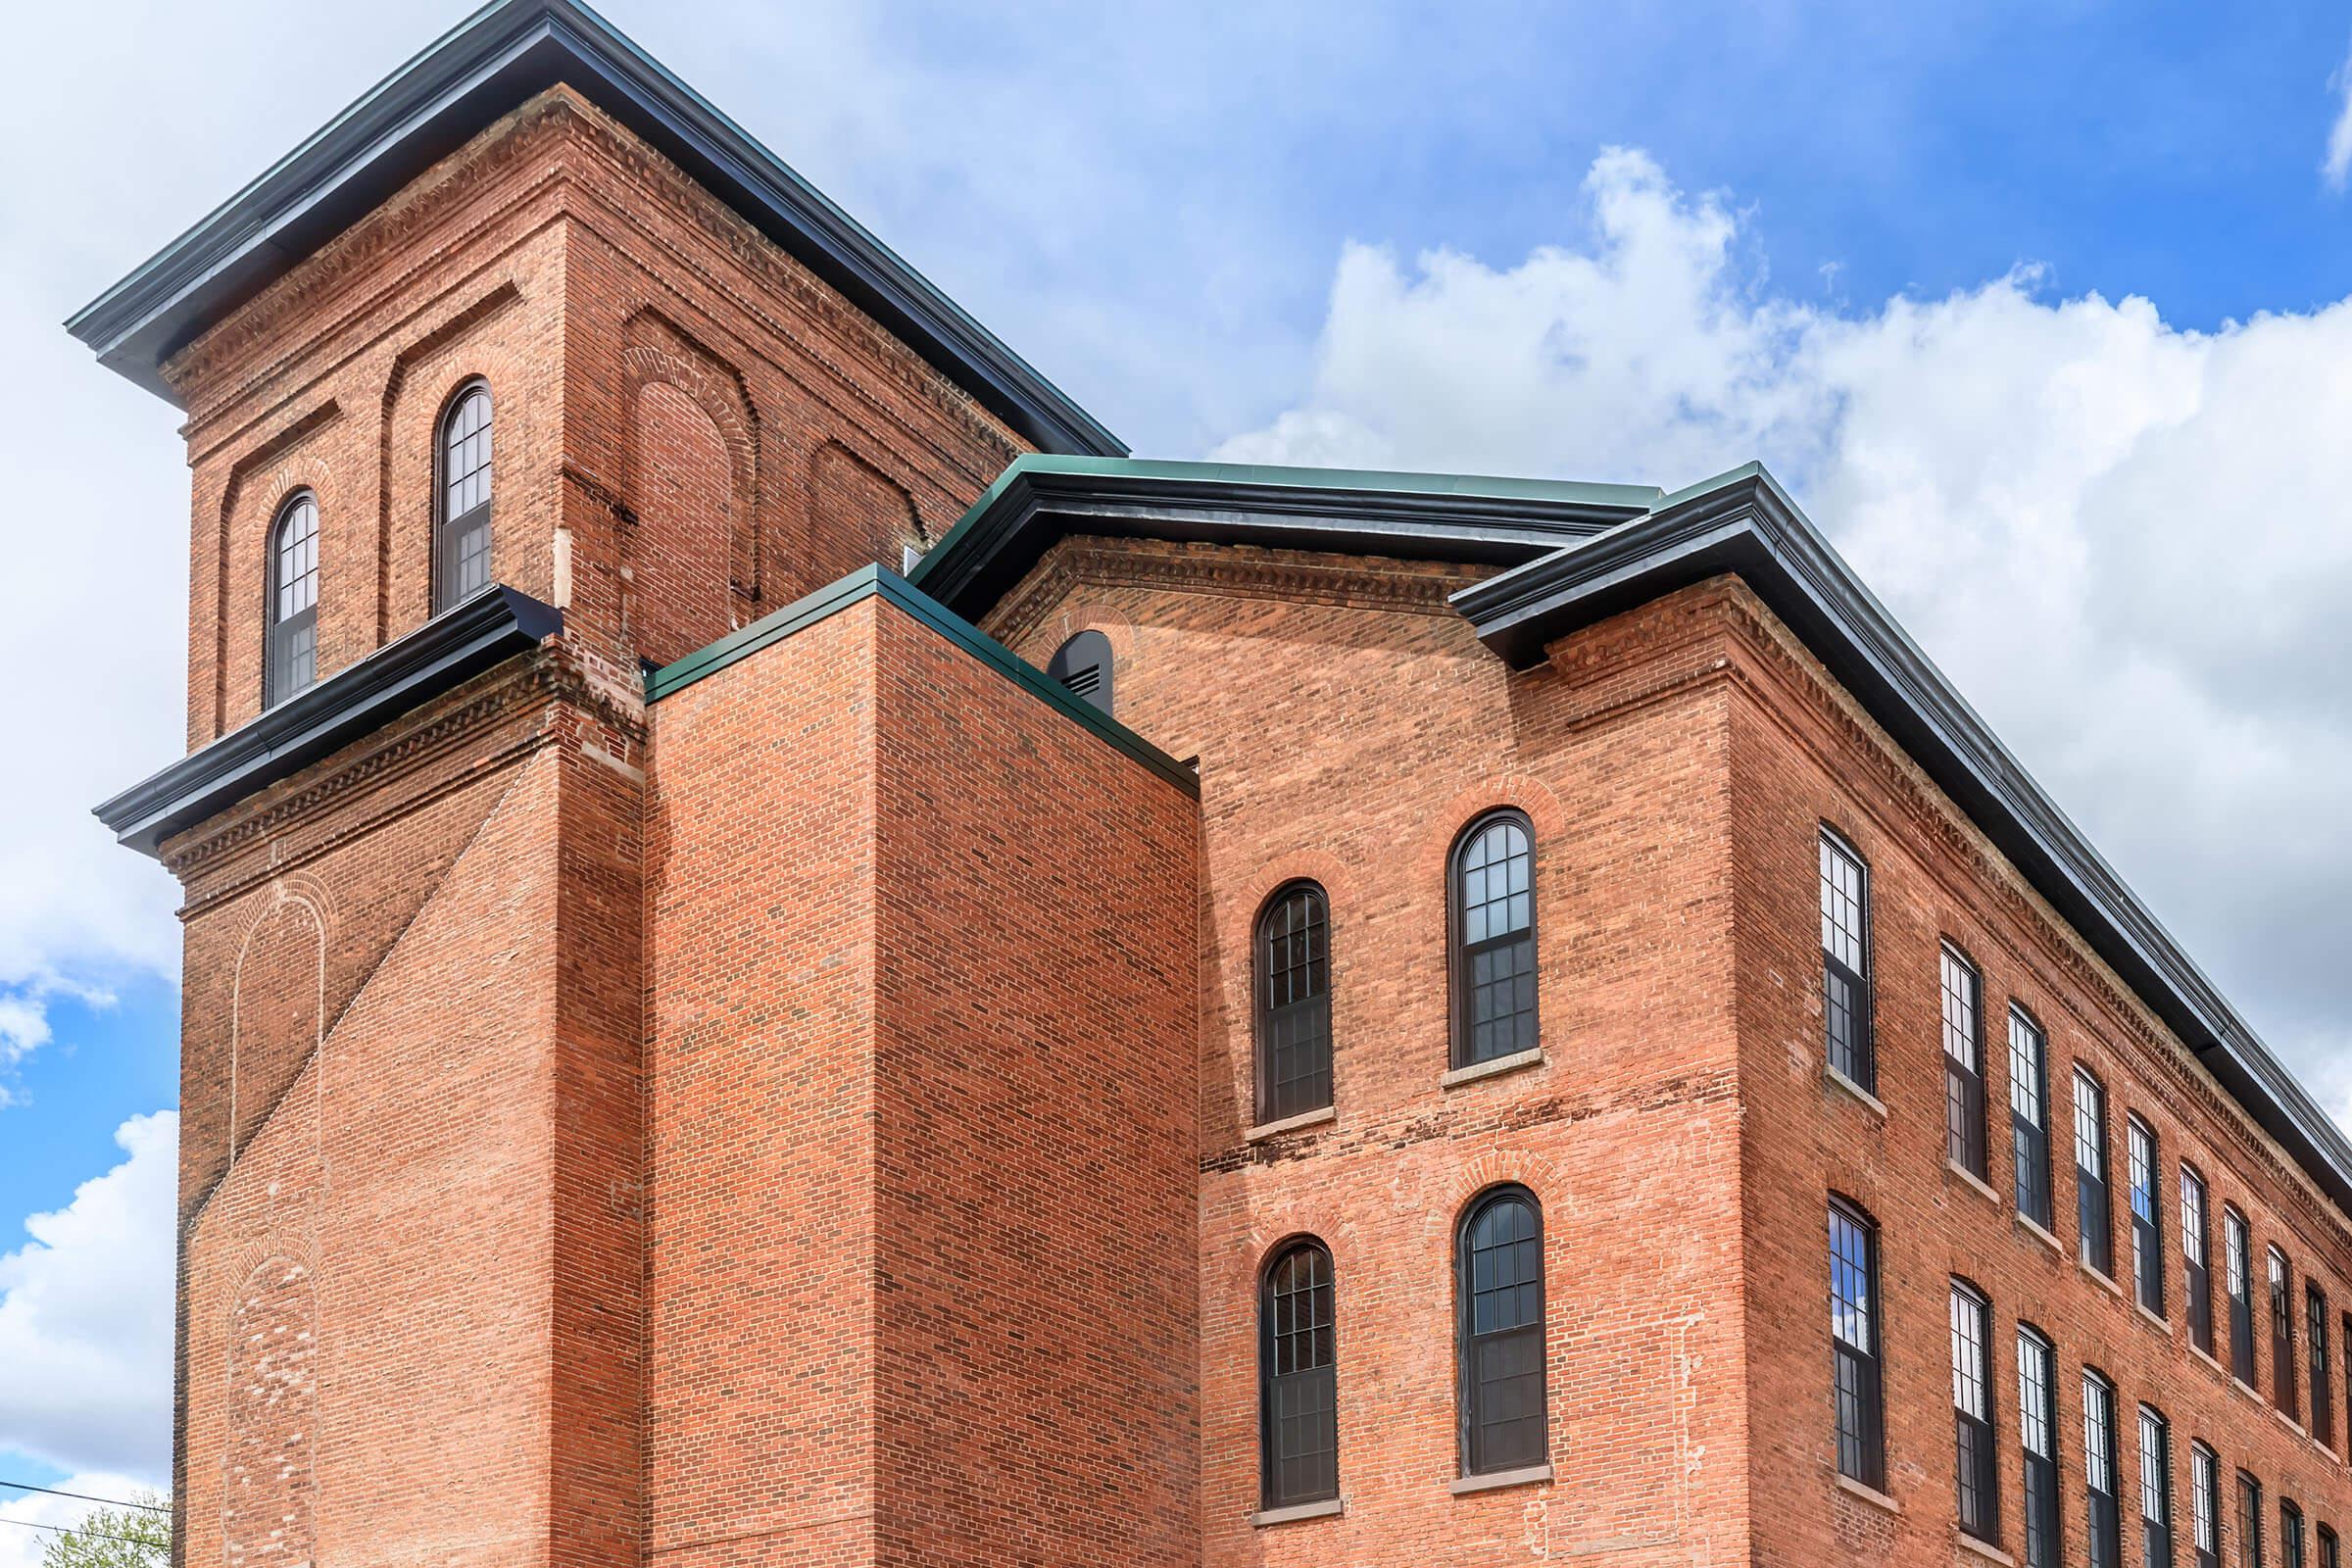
[[1441, 830]]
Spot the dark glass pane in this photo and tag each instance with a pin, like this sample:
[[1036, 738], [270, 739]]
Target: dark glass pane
[[1294, 1013], [1846, 963], [2029, 1118], [1298, 1388], [292, 656], [1505, 1424], [2283, 1336], [2092, 1218], [2147, 1243], [462, 548], [1963, 1065], [1494, 899], [2238, 1267], [1854, 1330]]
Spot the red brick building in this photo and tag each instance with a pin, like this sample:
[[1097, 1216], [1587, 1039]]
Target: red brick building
[[791, 958]]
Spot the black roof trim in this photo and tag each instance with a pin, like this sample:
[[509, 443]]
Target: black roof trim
[[437, 657], [478, 70], [1040, 500], [1744, 523], [869, 582]]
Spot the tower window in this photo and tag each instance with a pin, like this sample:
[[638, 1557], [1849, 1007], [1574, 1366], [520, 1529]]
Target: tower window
[[292, 656], [1293, 1003], [2030, 1115], [462, 522], [1845, 962], [1494, 897], [1854, 1345], [1297, 1387], [1081, 666], [1500, 1295]]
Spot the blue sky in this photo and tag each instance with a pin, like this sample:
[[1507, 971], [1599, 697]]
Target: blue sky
[[2028, 302]]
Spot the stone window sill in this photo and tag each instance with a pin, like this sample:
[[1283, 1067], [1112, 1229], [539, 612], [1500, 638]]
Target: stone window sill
[[2160, 1324], [2217, 1366], [1327, 1508], [1872, 1103], [1987, 1551], [1870, 1494], [2247, 1389], [1975, 1183], [1455, 1077], [2035, 1228], [2293, 1425], [1495, 1481], [1291, 1124], [2100, 1280]]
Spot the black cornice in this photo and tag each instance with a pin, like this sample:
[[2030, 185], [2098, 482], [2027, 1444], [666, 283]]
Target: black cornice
[[1040, 500], [437, 657], [1744, 523], [488, 63]]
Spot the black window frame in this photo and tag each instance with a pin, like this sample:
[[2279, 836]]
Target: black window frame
[[2196, 1255], [455, 530], [1857, 1370], [1976, 1465], [2155, 1487], [2249, 1519], [2284, 1391], [2205, 1511], [2331, 1551], [2094, 1201], [2292, 1535], [1965, 1139], [1477, 1445], [2319, 1357], [1846, 986], [2102, 1458], [1281, 1339], [2238, 1282], [2142, 1159], [2038, 1424], [2030, 1114], [290, 637], [1291, 960], [1466, 954], [1083, 666]]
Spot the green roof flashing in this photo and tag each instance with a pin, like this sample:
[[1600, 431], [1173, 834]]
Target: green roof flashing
[[868, 582]]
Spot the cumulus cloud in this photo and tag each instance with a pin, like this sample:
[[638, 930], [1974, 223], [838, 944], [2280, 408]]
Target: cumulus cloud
[[86, 1318], [2128, 543], [24, 1548]]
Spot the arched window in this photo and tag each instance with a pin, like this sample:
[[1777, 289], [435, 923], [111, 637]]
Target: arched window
[[1293, 1003], [1299, 1430], [1494, 920], [461, 519], [1083, 667], [1500, 1295], [292, 656]]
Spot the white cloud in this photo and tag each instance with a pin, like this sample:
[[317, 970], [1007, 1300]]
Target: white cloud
[[21, 1547], [85, 1317], [2337, 166], [2128, 543]]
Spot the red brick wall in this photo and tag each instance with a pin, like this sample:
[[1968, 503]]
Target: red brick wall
[[1801, 756], [921, 983], [1348, 727]]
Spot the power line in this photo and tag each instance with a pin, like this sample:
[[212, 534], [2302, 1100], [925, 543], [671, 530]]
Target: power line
[[81, 1496], [83, 1530]]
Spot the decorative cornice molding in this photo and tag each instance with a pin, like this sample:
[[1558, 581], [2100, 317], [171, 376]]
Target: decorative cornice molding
[[500, 56], [434, 658]]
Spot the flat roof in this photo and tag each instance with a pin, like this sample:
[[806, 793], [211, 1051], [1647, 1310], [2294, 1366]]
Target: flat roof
[[488, 63]]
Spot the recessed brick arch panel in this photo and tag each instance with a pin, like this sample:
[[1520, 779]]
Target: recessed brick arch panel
[[691, 484], [279, 995], [268, 1465], [856, 512]]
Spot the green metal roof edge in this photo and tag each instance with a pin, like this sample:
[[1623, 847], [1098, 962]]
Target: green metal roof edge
[[867, 582], [1498, 487]]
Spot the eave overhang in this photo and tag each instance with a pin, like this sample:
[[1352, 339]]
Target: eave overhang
[[487, 65], [1040, 500], [1743, 523], [438, 657]]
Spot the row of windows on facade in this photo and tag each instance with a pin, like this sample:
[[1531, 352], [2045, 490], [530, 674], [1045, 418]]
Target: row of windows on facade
[[1499, 1347], [1846, 997], [460, 545], [1856, 1336]]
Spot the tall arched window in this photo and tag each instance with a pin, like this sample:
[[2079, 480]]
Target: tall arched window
[[1082, 666], [1494, 920], [1299, 1430], [1500, 1295], [292, 656], [461, 519], [1293, 1003]]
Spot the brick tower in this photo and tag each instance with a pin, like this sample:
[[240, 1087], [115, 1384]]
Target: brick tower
[[718, 1031]]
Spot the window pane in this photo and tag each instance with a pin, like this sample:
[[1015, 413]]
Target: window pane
[[1845, 962], [1294, 1010], [1298, 1389], [1502, 1348], [1493, 893]]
